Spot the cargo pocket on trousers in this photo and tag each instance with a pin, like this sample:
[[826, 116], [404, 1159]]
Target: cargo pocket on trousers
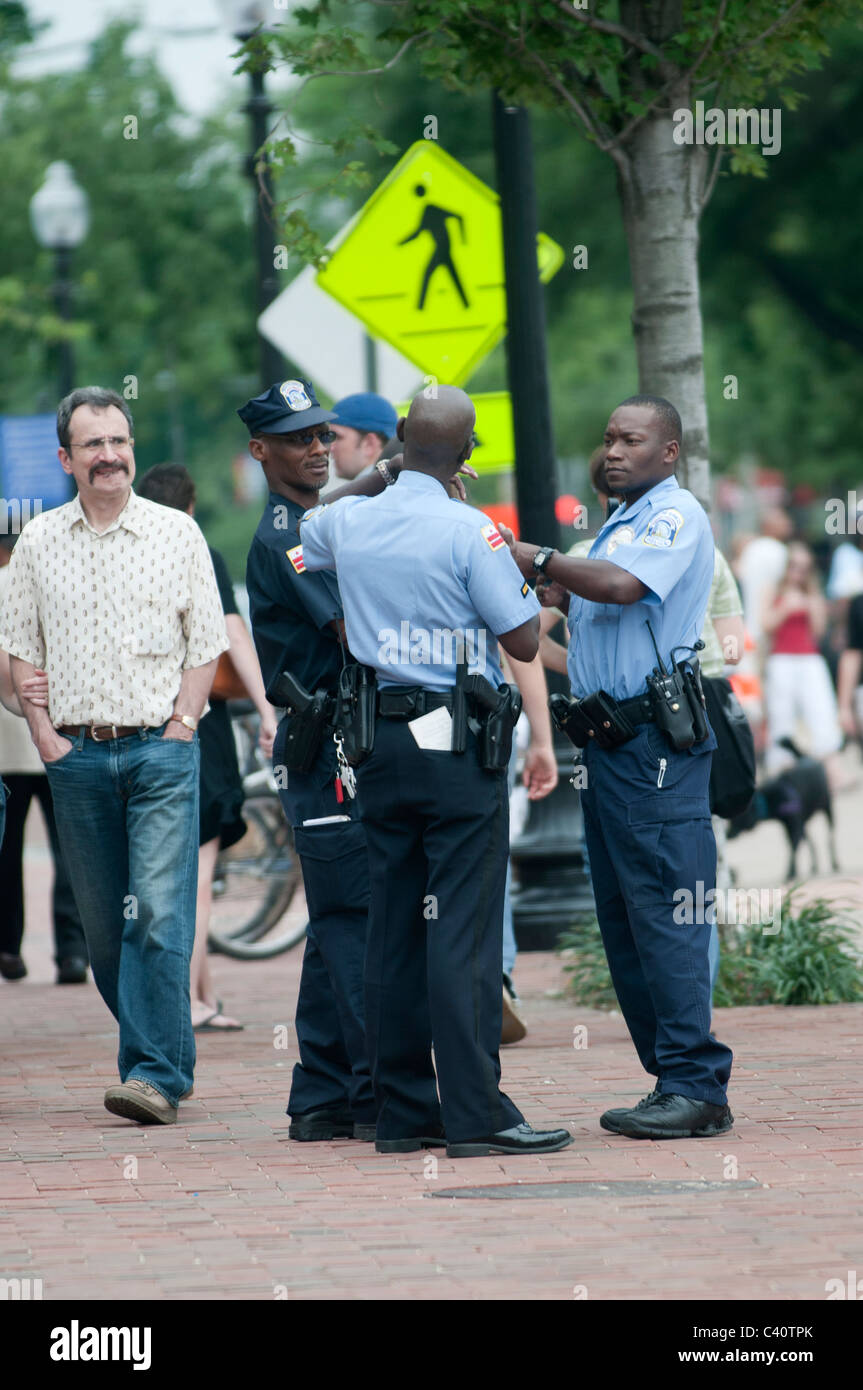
[[335, 867], [674, 832]]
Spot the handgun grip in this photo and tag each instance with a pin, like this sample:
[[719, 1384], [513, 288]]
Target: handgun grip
[[289, 694], [482, 691]]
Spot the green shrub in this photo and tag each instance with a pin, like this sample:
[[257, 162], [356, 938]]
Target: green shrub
[[586, 964], [812, 959]]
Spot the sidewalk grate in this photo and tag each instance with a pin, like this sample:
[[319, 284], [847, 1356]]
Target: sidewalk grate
[[623, 1188]]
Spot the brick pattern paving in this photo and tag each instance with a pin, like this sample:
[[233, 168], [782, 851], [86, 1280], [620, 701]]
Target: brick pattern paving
[[222, 1205]]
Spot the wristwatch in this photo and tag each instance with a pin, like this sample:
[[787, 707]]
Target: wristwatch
[[386, 472], [542, 557], [185, 719]]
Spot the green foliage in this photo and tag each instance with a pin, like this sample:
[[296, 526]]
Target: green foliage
[[164, 281], [812, 959], [585, 962], [549, 54]]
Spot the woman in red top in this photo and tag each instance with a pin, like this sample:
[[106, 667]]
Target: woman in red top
[[798, 689]]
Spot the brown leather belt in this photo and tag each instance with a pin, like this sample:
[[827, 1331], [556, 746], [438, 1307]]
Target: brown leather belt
[[99, 733]]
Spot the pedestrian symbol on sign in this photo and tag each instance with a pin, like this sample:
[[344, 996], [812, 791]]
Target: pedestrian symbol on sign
[[421, 265], [434, 221]]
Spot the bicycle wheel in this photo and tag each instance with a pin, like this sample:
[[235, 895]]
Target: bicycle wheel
[[254, 886]]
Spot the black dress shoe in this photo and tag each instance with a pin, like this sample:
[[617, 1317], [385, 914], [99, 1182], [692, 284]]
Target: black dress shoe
[[611, 1119], [435, 1139], [676, 1117], [318, 1125], [72, 971], [365, 1132], [519, 1140], [12, 967]]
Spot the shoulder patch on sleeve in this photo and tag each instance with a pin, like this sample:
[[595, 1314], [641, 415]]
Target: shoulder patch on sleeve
[[663, 529], [313, 511], [296, 558], [492, 537]]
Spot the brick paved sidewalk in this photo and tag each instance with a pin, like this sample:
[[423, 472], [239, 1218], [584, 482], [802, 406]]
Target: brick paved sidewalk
[[223, 1206]]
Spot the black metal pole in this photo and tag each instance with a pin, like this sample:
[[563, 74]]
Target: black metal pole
[[551, 884], [272, 367], [63, 306], [535, 473]]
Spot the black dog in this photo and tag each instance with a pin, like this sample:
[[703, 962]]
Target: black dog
[[791, 797]]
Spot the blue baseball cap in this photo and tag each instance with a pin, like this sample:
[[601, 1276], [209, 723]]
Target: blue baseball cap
[[285, 407], [365, 411]]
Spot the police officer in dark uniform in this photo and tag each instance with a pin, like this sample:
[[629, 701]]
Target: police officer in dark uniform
[[421, 574], [297, 624], [646, 812]]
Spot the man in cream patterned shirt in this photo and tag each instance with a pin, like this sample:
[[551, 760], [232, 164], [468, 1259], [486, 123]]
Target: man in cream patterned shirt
[[115, 597]]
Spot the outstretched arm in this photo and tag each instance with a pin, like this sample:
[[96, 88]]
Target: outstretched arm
[[600, 581]]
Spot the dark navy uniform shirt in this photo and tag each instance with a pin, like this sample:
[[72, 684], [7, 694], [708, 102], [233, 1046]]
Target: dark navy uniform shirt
[[291, 609]]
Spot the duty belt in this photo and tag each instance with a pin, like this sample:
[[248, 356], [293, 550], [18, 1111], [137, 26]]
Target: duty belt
[[409, 702], [638, 710]]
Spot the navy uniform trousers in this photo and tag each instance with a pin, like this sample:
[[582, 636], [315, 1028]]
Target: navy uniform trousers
[[333, 1069], [437, 827], [649, 838]]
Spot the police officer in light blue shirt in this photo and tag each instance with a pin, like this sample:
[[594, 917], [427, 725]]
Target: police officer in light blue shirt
[[421, 574], [646, 811], [662, 538]]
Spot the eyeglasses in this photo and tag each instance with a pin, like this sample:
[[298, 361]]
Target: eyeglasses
[[306, 436], [116, 441]]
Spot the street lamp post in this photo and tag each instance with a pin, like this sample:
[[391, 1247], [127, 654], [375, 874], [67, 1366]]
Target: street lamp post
[[60, 215], [243, 17]]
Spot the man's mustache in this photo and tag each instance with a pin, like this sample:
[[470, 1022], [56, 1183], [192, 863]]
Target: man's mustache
[[122, 467]]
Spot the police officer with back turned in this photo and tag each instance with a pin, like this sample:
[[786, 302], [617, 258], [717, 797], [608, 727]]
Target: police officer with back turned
[[637, 608], [427, 586]]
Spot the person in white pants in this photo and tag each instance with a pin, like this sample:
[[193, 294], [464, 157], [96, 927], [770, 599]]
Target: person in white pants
[[798, 689]]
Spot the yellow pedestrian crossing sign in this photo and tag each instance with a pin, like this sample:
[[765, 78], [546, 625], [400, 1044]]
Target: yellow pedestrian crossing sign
[[494, 450], [422, 264]]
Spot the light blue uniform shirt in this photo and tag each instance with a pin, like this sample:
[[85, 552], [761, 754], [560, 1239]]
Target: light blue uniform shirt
[[664, 539], [415, 567]]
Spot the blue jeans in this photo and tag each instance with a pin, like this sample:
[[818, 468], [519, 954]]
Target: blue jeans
[[127, 817]]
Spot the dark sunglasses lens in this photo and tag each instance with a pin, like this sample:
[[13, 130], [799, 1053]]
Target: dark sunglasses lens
[[307, 436]]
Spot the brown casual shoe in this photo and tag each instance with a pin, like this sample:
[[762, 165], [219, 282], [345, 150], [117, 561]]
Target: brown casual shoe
[[513, 1027], [137, 1100]]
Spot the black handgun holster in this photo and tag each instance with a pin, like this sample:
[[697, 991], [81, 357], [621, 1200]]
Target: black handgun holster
[[305, 734], [307, 719], [496, 729], [355, 719]]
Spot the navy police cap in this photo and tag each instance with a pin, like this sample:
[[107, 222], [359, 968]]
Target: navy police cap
[[286, 406]]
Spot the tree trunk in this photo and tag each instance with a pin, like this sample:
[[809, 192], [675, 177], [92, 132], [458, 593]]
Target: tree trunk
[[661, 188]]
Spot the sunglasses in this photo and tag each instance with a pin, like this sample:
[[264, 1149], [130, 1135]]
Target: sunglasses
[[306, 436]]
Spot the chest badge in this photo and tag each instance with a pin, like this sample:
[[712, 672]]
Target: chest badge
[[296, 558], [623, 535]]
